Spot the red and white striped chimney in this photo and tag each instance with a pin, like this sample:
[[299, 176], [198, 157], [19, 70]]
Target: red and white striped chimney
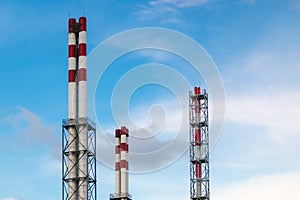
[[77, 109], [71, 70], [82, 81], [117, 160], [72, 102], [124, 161], [82, 108]]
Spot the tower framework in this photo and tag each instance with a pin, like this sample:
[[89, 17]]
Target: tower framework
[[199, 145], [72, 185]]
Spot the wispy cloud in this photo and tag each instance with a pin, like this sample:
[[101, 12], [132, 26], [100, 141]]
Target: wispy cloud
[[273, 186], [263, 85], [294, 5], [178, 3], [279, 114], [32, 130], [11, 198], [151, 133], [251, 2], [167, 10]]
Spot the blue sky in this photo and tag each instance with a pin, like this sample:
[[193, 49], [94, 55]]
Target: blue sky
[[254, 44]]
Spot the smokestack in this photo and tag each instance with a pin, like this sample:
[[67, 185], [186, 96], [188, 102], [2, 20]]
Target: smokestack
[[78, 133], [117, 167], [82, 82], [124, 161], [78, 126], [82, 107], [72, 101], [121, 168]]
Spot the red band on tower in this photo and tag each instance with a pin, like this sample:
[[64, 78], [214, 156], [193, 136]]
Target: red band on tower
[[117, 166], [198, 170], [71, 75], [72, 50], [117, 150], [82, 74], [82, 49], [82, 21], [124, 164], [71, 23], [124, 147]]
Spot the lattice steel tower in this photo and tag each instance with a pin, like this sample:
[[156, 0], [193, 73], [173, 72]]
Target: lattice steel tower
[[199, 145]]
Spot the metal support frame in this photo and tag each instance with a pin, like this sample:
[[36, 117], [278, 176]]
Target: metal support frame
[[199, 187], [80, 126]]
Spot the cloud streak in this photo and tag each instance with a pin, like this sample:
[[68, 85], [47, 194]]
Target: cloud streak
[[178, 3], [33, 130], [11, 198], [151, 136], [263, 86], [171, 9], [274, 186]]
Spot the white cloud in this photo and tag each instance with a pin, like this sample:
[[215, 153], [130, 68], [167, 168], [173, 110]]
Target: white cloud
[[278, 111], [152, 133], [262, 85], [165, 8], [275, 186], [178, 3], [33, 130], [11, 198]]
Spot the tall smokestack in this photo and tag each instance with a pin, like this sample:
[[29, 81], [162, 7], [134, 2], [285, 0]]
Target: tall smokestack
[[79, 133], [82, 107], [82, 71], [72, 107]]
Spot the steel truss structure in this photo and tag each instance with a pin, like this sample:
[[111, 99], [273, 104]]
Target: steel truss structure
[[199, 145], [72, 158]]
